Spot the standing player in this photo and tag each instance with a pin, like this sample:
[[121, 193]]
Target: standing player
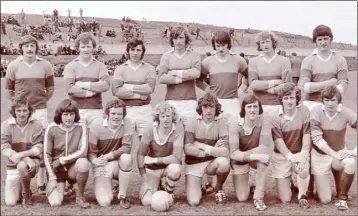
[[249, 136], [160, 153], [322, 68], [32, 75], [225, 70], [178, 69], [269, 73], [296, 67], [65, 152], [86, 79], [206, 148], [328, 128], [291, 134], [110, 143], [133, 82], [21, 143]]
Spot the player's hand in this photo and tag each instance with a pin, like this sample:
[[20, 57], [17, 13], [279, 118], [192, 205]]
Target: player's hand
[[83, 85], [100, 161], [332, 81], [337, 156], [301, 166], [199, 145], [277, 82], [31, 164], [172, 73], [344, 153], [16, 158], [264, 158], [51, 185], [298, 158], [220, 143], [284, 87], [148, 160]]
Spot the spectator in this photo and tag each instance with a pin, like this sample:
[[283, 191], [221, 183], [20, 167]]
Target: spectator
[[81, 13], [3, 27], [197, 32], [296, 67], [55, 14]]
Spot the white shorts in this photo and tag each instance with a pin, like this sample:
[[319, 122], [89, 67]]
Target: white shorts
[[157, 172], [186, 109], [240, 169], [12, 174], [88, 115], [311, 104], [271, 109], [107, 170], [281, 167], [142, 116], [197, 169], [230, 107], [41, 115]]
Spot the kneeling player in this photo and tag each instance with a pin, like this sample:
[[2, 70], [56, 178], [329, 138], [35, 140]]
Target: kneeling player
[[160, 153], [110, 145], [329, 153], [291, 134], [249, 137], [21, 143], [206, 148], [65, 148]]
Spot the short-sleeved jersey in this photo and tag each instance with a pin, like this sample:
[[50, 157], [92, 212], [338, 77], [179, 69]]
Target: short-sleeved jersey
[[93, 72], [316, 69], [279, 67], [144, 74], [197, 130], [331, 129], [291, 130], [171, 61], [31, 79], [223, 76]]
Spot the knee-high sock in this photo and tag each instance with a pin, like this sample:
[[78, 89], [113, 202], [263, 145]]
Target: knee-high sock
[[81, 179], [346, 183], [124, 178], [25, 185], [302, 185], [337, 174], [170, 184], [220, 180], [41, 176], [311, 183]]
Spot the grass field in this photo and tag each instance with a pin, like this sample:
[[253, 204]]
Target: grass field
[[207, 206]]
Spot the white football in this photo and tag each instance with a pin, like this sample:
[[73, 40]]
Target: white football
[[161, 201]]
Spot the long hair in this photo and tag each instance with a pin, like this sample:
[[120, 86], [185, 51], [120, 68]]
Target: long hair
[[329, 92], [133, 44], [208, 99], [115, 103], [176, 31], [249, 99], [21, 100], [222, 38], [289, 91], [164, 107], [28, 39], [263, 36], [67, 105]]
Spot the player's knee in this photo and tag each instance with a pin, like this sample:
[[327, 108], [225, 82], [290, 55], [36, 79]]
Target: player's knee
[[82, 165], [22, 167], [11, 200], [303, 174], [193, 201], [285, 198], [325, 199], [174, 171], [126, 162], [147, 198], [223, 163], [349, 165], [104, 200], [55, 201], [242, 196]]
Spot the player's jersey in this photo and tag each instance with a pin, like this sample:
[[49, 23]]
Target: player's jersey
[[224, 75], [32, 79], [14, 138], [197, 130], [291, 130], [279, 67], [93, 72], [316, 69], [171, 61], [331, 129]]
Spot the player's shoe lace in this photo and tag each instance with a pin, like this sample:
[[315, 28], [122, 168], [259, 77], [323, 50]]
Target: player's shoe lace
[[260, 205], [220, 197], [341, 205]]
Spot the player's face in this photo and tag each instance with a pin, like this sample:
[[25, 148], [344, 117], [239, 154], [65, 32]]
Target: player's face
[[166, 119], [115, 116], [289, 101], [252, 111], [221, 50], [179, 42], [68, 118], [331, 105], [22, 114], [266, 45], [86, 49], [208, 111], [135, 53], [323, 43], [29, 49]]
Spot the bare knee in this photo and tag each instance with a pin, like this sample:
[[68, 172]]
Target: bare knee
[[193, 201], [242, 195], [174, 171], [223, 164], [325, 199], [285, 198], [303, 174], [147, 198], [22, 167], [82, 165], [349, 165], [11, 200], [55, 200], [126, 162], [104, 200]]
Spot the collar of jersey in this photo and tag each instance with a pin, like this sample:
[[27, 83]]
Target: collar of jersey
[[156, 136], [339, 109], [290, 118], [105, 122], [241, 122], [200, 117], [21, 58], [92, 60], [315, 52], [268, 60]]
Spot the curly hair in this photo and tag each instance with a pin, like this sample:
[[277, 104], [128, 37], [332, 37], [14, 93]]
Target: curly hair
[[249, 99], [163, 108], [85, 38], [21, 100], [67, 105], [329, 92], [133, 44], [222, 38], [208, 99], [176, 31], [28, 39], [115, 103], [289, 91], [263, 36], [321, 30]]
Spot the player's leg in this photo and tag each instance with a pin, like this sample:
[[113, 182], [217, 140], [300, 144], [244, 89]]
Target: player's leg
[[172, 175], [240, 174], [125, 170], [12, 187], [303, 179], [102, 182], [79, 172], [281, 172], [55, 198], [25, 179], [220, 167], [194, 174], [150, 186], [262, 175], [321, 169]]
